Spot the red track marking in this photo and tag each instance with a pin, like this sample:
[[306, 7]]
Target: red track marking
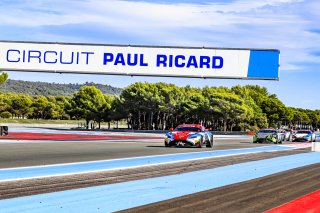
[[307, 204], [69, 137]]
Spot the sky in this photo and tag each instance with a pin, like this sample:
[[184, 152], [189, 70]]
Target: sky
[[292, 26]]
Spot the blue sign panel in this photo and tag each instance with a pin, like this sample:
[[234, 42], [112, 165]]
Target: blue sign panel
[[140, 60]]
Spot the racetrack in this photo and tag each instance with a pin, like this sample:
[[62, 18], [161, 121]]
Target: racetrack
[[60, 183], [256, 194], [33, 153]]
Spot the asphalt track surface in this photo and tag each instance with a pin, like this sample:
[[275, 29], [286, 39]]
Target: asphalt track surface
[[257, 195], [61, 183], [34, 153]]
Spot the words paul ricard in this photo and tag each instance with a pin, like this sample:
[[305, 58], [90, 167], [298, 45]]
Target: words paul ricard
[[112, 59]]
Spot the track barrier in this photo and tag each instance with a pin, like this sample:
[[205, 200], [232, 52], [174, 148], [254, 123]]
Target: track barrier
[[315, 147], [251, 133]]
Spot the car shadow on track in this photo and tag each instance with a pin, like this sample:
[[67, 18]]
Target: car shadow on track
[[177, 147]]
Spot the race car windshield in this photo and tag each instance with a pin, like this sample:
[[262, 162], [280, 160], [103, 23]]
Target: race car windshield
[[268, 131], [188, 129]]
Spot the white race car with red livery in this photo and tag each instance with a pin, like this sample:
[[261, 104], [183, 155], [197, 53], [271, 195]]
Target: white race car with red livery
[[189, 135]]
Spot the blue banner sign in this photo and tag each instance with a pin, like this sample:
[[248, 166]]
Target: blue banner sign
[[140, 60]]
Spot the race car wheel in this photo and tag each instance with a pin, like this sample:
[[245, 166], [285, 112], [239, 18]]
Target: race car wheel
[[201, 142], [210, 142], [166, 144]]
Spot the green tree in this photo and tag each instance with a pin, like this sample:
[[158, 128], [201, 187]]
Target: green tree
[[170, 101], [105, 112], [192, 105], [256, 119], [5, 114], [62, 104], [3, 77], [301, 117], [314, 116], [118, 111], [87, 104], [228, 106], [5, 102], [288, 116], [40, 107], [257, 93], [274, 109], [142, 101], [20, 105]]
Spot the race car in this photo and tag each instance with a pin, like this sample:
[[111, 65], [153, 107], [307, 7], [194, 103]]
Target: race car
[[288, 134], [304, 135], [186, 135], [268, 135]]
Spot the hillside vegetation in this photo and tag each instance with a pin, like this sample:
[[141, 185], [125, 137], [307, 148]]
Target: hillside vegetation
[[52, 89]]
